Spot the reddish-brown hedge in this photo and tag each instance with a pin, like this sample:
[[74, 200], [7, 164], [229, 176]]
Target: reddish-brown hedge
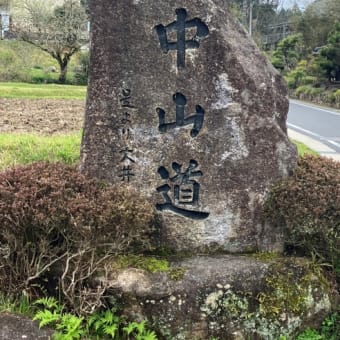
[[308, 204], [51, 212]]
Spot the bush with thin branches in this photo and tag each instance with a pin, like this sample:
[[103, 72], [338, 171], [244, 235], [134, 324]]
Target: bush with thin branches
[[58, 229]]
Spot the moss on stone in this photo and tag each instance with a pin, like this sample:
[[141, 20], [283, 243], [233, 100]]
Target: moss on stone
[[284, 295], [288, 289], [148, 263], [266, 256], [288, 293], [176, 273], [151, 264]]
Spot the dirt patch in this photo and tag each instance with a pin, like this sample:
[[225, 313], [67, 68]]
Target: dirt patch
[[41, 116]]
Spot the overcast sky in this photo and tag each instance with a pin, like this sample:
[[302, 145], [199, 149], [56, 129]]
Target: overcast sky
[[290, 3]]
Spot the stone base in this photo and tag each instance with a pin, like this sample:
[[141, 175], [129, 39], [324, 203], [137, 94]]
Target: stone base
[[18, 327], [226, 297]]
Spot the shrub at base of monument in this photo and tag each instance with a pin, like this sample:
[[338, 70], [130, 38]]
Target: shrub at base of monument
[[224, 296], [308, 205]]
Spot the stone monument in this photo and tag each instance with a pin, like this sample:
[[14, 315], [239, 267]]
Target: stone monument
[[183, 107]]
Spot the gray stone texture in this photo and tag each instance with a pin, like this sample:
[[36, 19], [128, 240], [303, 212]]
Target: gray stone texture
[[16, 327], [226, 297], [221, 169]]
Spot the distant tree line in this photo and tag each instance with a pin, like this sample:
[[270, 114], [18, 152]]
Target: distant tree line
[[304, 45]]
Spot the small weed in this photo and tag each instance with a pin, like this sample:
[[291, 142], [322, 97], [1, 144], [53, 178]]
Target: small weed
[[21, 305], [105, 323], [304, 149], [330, 330], [309, 334], [139, 331], [266, 256]]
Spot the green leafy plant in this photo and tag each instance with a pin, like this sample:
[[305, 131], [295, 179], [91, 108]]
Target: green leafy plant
[[100, 325], [21, 304], [104, 323], [309, 334], [139, 331], [330, 327], [329, 330], [68, 326]]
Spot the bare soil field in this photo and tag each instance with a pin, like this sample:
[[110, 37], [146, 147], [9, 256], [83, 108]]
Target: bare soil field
[[41, 116]]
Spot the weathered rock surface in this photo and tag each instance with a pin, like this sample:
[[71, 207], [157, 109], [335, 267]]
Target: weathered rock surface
[[15, 327], [184, 107], [228, 297]]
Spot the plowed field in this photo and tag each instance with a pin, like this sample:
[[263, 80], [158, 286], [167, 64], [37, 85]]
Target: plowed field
[[41, 116]]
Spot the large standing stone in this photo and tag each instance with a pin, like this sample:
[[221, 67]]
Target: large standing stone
[[183, 107]]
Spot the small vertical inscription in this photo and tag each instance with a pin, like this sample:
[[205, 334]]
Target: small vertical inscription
[[127, 160]]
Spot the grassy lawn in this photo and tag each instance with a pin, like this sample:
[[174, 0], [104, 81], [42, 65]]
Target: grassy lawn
[[35, 91], [18, 149]]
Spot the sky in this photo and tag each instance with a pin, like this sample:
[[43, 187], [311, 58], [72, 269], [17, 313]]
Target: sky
[[290, 3]]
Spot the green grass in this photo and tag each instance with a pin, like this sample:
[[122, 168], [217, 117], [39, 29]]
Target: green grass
[[20, 305], [304, 149], [52, 91], [23, 149], [20, 149]]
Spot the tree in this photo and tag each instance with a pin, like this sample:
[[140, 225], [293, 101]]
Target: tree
[[55, 26], [317, 21], [288, 52], [327, 62]]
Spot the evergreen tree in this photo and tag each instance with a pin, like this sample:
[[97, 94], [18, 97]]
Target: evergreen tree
[[327, 62], [317, 21], [288, 53]]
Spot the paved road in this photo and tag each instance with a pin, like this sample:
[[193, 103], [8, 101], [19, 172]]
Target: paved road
[[318, 127]]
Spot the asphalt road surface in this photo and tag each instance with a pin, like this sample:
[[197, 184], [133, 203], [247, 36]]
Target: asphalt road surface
[[318, 123]]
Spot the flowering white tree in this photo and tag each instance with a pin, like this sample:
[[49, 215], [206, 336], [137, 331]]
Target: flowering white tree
[[58, 27]]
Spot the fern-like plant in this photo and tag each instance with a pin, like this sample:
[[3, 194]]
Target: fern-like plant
[[100, 325], [139, 332], [68, 326], [104, 323]]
